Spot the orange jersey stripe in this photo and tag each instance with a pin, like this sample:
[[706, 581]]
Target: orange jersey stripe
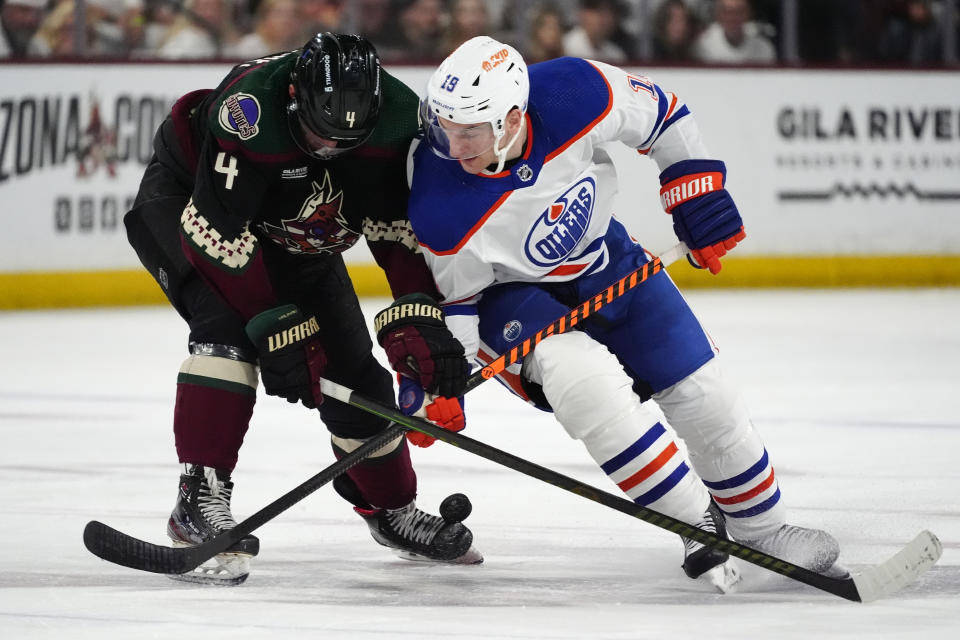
[[673, 105], [473, 230], [567, 269], [753, 493], [649, 469]]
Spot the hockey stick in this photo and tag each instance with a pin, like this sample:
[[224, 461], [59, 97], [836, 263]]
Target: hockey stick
[[870, 584], [115, 546], [578, 313]]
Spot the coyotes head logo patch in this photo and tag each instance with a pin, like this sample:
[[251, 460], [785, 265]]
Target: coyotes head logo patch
[[318, 228]]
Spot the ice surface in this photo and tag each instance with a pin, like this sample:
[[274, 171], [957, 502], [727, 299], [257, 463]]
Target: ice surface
[[855, 392]]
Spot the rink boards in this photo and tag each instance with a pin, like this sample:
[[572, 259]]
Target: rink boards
[[844, 178]]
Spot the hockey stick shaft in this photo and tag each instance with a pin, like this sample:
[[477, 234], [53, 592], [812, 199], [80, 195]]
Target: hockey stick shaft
[[579, 313], [879, 581], [117, 547]]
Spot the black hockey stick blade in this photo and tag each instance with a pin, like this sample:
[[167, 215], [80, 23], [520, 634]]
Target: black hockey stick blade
[[872, 583], [119, 548]]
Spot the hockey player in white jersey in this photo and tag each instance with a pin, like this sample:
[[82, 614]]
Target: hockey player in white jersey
[[512, 201]]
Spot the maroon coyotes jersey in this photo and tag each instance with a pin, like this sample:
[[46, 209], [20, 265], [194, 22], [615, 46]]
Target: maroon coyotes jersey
[[257, 193]]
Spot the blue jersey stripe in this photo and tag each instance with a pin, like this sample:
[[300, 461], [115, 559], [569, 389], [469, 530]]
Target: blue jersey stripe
[[743, 478], [682, 111], [665, 485], [634, 450], [662, 106], [461, 310]]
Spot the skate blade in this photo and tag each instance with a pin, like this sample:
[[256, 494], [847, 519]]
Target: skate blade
[[723, 577], [225, 569], [472, 556], [210, 579]]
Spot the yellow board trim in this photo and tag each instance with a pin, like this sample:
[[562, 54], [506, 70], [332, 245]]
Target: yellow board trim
[[774, 272], [61, 289]]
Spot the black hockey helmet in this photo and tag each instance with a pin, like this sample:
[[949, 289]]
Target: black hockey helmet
[[337, 96]]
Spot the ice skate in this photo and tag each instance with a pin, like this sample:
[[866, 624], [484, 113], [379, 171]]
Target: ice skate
[[414, 534], [706, 563], [202, 512], [812, 549]]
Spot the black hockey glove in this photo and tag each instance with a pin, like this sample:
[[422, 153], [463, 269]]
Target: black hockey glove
[[420, 346], [291, 356]]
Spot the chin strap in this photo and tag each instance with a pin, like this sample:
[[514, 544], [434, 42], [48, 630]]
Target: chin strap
[[502, 151]]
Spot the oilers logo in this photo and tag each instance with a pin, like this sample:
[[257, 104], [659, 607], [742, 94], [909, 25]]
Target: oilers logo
[[559, 229], [408, 398], [511, 330], [239, 114]]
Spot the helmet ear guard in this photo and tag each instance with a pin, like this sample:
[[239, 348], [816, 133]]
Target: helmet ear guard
[[336, 93]]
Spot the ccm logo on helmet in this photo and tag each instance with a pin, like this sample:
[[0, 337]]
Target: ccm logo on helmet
[[496, 60]]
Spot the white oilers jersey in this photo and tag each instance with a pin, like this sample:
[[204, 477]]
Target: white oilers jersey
[[548, 217]]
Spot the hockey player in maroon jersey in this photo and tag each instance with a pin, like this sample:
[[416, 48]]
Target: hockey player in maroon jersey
[[255, 189]]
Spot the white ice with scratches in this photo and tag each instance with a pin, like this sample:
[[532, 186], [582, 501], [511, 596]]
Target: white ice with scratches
[[855, 392]]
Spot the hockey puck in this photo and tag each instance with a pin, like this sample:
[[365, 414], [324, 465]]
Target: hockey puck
[[455, 508]]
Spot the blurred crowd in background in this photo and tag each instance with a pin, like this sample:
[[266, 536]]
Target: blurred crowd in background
[[808, 32]]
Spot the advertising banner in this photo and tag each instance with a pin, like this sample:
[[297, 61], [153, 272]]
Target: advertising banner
[[820, 163], [74, 141], [835, 162]]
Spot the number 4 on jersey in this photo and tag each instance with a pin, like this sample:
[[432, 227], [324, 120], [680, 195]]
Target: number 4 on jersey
[[228, 168]]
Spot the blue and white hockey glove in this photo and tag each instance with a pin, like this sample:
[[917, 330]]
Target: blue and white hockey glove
[[443, 412], [704, 215]]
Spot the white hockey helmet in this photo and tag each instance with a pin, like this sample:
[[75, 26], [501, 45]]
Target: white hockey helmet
[[479, 83]]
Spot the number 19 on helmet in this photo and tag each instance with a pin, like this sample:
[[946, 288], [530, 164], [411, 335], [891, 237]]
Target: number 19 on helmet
[[478, 85]]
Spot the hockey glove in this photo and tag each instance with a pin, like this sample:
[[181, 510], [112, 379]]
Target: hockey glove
[[704, 215], [420, 346], [291, 356], [443, 412]]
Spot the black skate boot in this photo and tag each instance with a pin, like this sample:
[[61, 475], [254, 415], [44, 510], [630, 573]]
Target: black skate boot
[[709, 562], [414, 534], [202, 512]]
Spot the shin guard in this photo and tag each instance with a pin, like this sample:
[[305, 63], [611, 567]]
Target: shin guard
[[215, 398], [592, 397], [386, 479], [726, 450]]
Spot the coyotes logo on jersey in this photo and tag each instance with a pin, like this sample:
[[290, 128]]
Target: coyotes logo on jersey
[[319, 227]]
